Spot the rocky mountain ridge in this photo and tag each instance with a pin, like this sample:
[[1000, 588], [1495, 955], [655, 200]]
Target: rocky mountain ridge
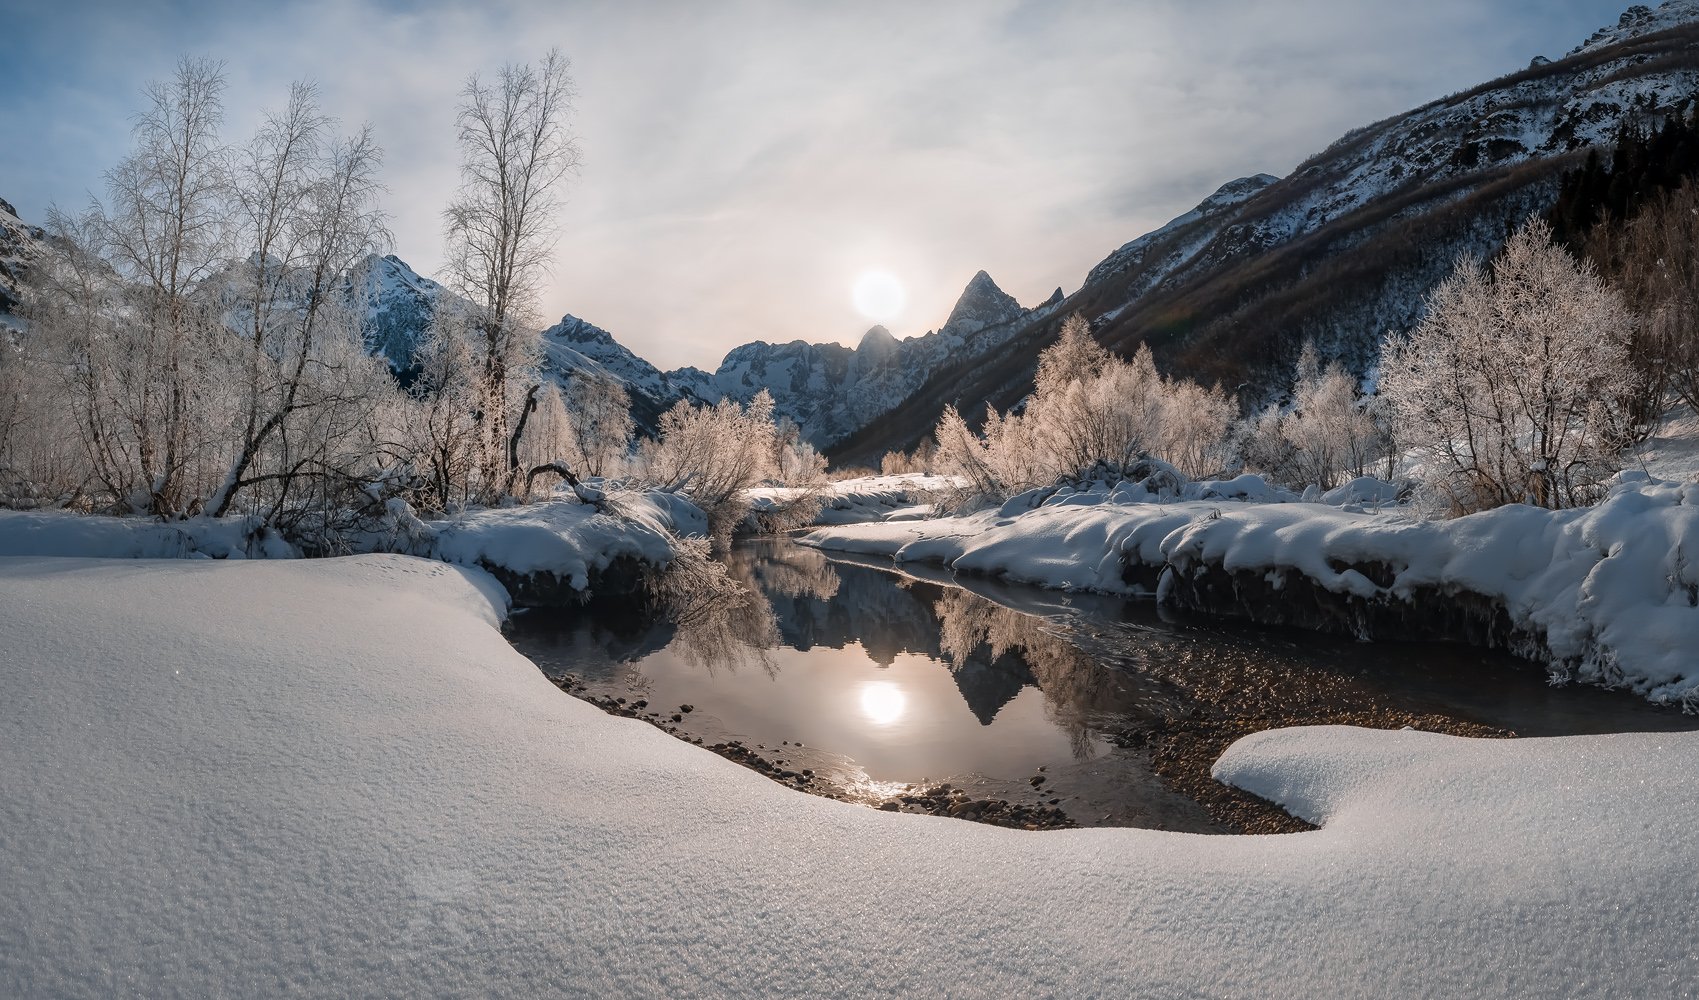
[[1344, 249]]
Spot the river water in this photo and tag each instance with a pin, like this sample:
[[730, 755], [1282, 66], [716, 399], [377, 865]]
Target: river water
[[879, 680]]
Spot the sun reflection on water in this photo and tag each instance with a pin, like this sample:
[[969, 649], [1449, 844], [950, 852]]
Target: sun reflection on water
[[883, 702]]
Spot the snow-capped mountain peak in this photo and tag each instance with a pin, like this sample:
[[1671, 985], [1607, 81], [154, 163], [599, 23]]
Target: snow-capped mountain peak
[[1640, 20], [982, 304]]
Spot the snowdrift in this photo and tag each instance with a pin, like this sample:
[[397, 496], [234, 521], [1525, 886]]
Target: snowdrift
[[333, 777], [1607, 595], [554, 553]]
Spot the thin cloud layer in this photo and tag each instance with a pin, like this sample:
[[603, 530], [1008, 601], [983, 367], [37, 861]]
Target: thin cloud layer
[[744, 162]]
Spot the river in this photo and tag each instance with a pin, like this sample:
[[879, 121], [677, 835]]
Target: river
[[879, 685]]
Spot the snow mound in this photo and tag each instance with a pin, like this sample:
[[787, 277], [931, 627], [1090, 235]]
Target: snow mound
[[333, 777], [567, 539]]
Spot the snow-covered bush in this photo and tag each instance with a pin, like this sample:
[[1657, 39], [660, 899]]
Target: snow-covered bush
[[714, 453], [1513, 385], [1327, 433], [1088, 407]]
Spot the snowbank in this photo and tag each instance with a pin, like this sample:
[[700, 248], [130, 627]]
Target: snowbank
[[861, 500], [1607, 595], [333, 777], [545, 553], [555, 552], [56, 533]]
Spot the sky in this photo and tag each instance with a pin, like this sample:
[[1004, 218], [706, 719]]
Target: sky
[[744, 163]]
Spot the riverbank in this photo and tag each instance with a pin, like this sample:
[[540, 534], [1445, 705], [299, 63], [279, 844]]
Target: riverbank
[[336, 777], [1607, 595], [880, 684]]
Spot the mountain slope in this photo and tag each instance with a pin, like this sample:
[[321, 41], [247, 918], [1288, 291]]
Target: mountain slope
[[1346, 247], [20, 245]]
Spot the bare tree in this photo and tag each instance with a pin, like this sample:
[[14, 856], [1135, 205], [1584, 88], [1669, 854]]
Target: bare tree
[[515, 148], [307, 208], [599, 421], [165, 232]]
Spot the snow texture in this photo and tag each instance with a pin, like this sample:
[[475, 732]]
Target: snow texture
[[333, 777], [568, 539], [1610, 593]]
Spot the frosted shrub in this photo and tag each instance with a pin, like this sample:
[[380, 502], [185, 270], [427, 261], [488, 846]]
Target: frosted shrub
[[1089, 408], [1328, 433], [714, 453], [1513, 384]]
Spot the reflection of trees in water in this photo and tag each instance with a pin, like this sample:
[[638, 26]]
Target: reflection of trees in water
[[720, 619], [786, 570]]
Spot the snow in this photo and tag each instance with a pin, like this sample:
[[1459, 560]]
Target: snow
[[567, 538], [1672, 450], [1611, 593], [861, 499], [56, 533], [561, 536], [333, 777]]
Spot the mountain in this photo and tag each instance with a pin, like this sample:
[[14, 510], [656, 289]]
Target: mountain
[[396, 305], [20, 245], [833, 392], [1346, 247], [573, 345]]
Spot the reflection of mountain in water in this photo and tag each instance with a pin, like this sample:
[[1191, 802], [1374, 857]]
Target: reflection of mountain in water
[[987, 683], [992, 651], [821, 603]]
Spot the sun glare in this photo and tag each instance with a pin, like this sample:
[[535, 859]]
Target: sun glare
[[882, 702], [878, 295]]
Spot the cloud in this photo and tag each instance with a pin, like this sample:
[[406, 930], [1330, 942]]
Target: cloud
[[744, 161]]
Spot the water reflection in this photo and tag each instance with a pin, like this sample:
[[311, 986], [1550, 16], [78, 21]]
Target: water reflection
[[882, 702], [912, 675], [910, 678]]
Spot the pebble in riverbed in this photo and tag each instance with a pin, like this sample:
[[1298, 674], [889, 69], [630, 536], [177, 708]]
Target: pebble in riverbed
[[935, 800]]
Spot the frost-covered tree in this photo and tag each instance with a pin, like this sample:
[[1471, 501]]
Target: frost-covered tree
[[1328, 431], [1512, 384], [796, 462], [164, 231], [306, 210], [442, 434], [599, 421], [516, 146], [714, 453]]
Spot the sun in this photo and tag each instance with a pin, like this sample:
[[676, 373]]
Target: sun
[[878, 295]]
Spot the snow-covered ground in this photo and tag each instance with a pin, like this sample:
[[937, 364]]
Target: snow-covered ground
[[862, 499], [565, 538], [1672, 451], [333, 777], [1610, 593]]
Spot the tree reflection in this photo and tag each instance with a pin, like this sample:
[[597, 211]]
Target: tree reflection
[[721, 609]]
